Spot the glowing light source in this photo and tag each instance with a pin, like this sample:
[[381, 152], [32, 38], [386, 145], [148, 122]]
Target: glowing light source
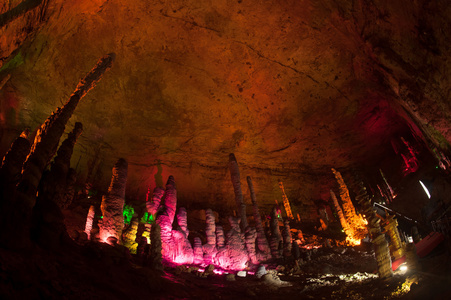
[[403, 268], [425, 189]]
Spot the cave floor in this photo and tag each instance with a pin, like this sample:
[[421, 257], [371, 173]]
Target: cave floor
[[99, 271]]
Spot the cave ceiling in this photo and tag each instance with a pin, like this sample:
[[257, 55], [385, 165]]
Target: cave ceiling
[[293, 88]]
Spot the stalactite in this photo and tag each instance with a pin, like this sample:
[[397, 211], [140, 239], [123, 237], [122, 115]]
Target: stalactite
[[220, 240], [156, 262], [264, 252], [235, 176], [129, 236], [286, 239], [113, 203], [153, 200], [89, 221], [250, 238], [198, 252], [356, 222], [382, 253], [209, 248], [276, 237]]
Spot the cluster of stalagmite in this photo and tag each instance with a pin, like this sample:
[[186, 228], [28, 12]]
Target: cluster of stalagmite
[[356, 224], [24, 167], [381, 251]]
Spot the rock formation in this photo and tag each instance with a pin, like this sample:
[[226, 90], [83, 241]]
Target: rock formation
[[89, 221], [382, 253], [235, 176], [113, 203], [209, 249], [129, 236], [153, 200], [250, 237], [286, 234], [275, 240], [264, 252], [234, 255]]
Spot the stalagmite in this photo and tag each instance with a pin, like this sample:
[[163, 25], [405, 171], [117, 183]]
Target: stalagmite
[[235, 176], [276, 237], [155, 256], [89, 221], [153, 200], [129, 236], [286, 202], [54, 185], [343, 222], [10, 171], [113, 203], [198, 253], [175, 244], [41, 152], [69, 194], [264, 252], [209, 248], [250, 238], [397, 248], [286, 233], [382, 253], [220, 240], [234, 255], [357, 224]]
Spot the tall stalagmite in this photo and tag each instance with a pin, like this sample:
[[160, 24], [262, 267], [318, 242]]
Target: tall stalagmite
[[250, 237], [209, 248], [41, 152], [286, 233], [276, 238], [113, 203], [356, 222], [381, 251], [89, 221], [153, 200], [348, 231], [235, 176], [264, 252]]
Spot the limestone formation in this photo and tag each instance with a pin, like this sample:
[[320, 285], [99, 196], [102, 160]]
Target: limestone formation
[[250, 239], [348, 231], [155, 256], [89, 221], [263, 250], [220, 240], [54, 186], [276, 238], [129, 236], [397, 247], [286, 202], [235, 176], [381, 251], [153, 200], [286, 239], [356, 223], [176, 247], [198, 253], [209, 249], [113, 203], [234, 255]]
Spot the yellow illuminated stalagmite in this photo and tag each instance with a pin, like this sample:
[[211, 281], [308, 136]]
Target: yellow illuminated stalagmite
[[357, 224], [396, 247], [346, 228], [286, 203]]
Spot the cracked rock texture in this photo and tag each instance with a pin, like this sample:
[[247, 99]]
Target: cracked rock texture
[[292, 88]]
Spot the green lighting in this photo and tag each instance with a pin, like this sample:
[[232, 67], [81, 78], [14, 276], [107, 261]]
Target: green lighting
[[147, 218], [128, 213]]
